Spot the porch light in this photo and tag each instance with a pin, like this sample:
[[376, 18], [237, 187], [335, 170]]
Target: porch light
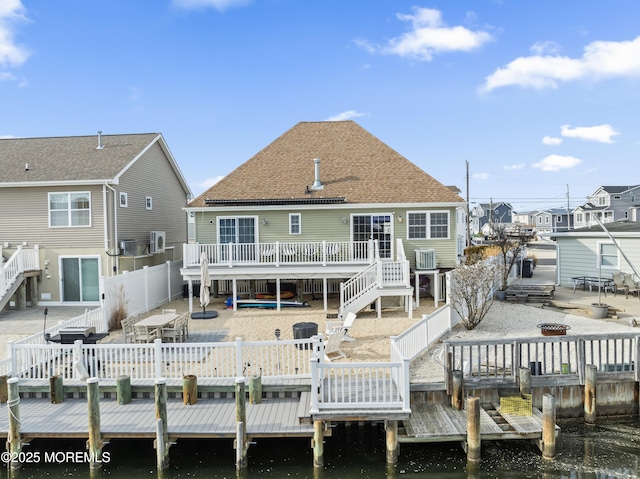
[[399, 219], [344, 220], [265, 221]]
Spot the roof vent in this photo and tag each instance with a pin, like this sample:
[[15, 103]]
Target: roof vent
[[317, 185], [100, 145]]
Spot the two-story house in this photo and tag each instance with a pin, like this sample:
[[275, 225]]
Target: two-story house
[[553, 220], [93, 205], [485, 215], [608, 204], [323, 203]]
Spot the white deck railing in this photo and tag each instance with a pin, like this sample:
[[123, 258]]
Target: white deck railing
[[279, 253], [20, 261], [421, 335]]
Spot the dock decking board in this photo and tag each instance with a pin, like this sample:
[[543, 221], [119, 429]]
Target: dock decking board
[[207, 418]]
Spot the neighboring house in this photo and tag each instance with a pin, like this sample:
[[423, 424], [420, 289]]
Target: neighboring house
[[609, 203], [485, 215], [553, 220], [310, 206], [527, 219], [590, 251], [94, 205]]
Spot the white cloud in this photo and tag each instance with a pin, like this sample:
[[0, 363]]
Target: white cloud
[[480, 176], [557, 163], [600, 60], [219, 5], [550, 140], [542, 48], [11, 54], [602, 133], [204, 185], [429, 35], [345, 115], [519, 166]]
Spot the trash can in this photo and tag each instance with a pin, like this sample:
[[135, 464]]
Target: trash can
[[304, 331], [527, 267]]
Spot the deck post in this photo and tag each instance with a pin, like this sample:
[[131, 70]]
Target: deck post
[[255, 389], [123, 389], [162, 435], [318, 443], [393, 448], [458, 390], [473, 429], [525, 380], [56, 389], [189, 389], [14, 441], [4, 392], [448, 372], [591, 373], [21, 296], [548, 426], [94, 444], [241, 421]]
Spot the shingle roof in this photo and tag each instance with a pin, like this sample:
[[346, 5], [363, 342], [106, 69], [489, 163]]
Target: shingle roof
[[614, 227], [72, 158], [354, 164]]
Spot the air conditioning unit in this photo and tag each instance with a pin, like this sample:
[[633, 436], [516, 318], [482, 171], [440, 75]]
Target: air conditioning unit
[[156, 242], [128, 247], [425, 259]]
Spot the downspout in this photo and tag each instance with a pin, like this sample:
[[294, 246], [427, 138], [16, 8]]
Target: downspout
[[617, 246], [115, 230]]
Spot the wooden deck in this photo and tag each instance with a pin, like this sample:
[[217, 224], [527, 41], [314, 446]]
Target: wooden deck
[[208, 418], [442, 423]]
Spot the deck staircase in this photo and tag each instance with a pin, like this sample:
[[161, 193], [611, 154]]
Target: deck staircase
[[15, 271], [379, 279]]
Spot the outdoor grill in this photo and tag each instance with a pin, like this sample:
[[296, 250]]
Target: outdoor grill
[[86, 334]]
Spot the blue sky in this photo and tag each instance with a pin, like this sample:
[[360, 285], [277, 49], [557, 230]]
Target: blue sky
[[540, 97]]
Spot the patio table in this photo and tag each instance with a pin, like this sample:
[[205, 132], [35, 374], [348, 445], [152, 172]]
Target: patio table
[[157, 322], [591, 281]]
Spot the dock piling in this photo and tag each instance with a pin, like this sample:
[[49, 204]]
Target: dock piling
[[95, 439], [14, 441], [590, 384], [123, 389], [548, 426], [393, 448], [4, 392], [56, 389], [318, 443], [473, 429], [525, 380], [458, 390], [190, 389], [255, 389], [241, 419], [162, 435]]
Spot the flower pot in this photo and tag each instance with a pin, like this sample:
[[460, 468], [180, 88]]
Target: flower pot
[[501, 295], [599, 310]]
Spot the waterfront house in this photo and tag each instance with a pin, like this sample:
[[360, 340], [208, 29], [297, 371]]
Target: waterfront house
[[485, 215], [325, 203], [591, 252], [553, 220], [609, 204], [93, 206]]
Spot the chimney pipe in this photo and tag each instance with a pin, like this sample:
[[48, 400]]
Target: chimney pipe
[[317, 185], [100, 145]]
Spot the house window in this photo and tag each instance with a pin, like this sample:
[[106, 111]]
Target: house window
[[149, 203], [539, 220], [617, 197], [428, 225], [602, 201], [546, 219], [608, 256], [295, 227], [123, 200], [70, 209], [558, 219], [626, 215], [579, 217]]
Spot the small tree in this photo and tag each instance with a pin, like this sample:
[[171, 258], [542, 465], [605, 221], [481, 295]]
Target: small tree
[[472, 291], [509, 245]]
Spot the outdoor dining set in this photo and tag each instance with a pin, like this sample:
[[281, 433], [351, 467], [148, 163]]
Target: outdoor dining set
[[168, 326], [617, 283]]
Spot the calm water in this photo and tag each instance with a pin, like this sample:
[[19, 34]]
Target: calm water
[[611, 449]]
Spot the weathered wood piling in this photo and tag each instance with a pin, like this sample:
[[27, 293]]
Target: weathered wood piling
[[393, 447], [255, 389], [473, 429], [318, 443], [56, 389], [123, 389], [190, 389], [94, 444], [14, 441], [457, 396], [241, 422], [162, 435], [590, 384], [548, 426]]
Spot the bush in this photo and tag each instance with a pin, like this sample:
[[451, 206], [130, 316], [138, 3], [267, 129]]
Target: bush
[[120, 311]]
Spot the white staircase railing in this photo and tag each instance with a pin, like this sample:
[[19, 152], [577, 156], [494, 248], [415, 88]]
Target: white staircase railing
[[19, 262]]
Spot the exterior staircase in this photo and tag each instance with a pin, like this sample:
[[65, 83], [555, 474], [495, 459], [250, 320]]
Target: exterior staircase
[[379, 279], [21, 266]]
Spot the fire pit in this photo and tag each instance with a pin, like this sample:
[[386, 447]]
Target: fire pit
[[553, 329]]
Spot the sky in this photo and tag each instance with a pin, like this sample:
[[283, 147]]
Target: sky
[[539, 98]]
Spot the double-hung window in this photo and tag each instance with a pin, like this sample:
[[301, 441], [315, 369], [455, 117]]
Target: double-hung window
[[428, 225], [70, 209], [295, 227], [608, 256]]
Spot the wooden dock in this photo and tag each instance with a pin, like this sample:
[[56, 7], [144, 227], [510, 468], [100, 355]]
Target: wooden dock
[[442, 423], [208, 418]]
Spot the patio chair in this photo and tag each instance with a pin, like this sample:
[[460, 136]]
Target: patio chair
[[127, 330], [332, 345], [183, 323], [632, 286], [169, 311], [619, 286], [142, 334], [333, 326], [172, 332]]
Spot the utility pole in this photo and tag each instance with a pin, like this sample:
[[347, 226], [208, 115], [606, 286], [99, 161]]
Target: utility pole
[[468, 217], [568, 213]]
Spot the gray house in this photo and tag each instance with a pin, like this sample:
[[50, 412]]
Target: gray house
[[553, 220], [609, 204], [321, 204], [93, 205], [590, 251], [484, 215]]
